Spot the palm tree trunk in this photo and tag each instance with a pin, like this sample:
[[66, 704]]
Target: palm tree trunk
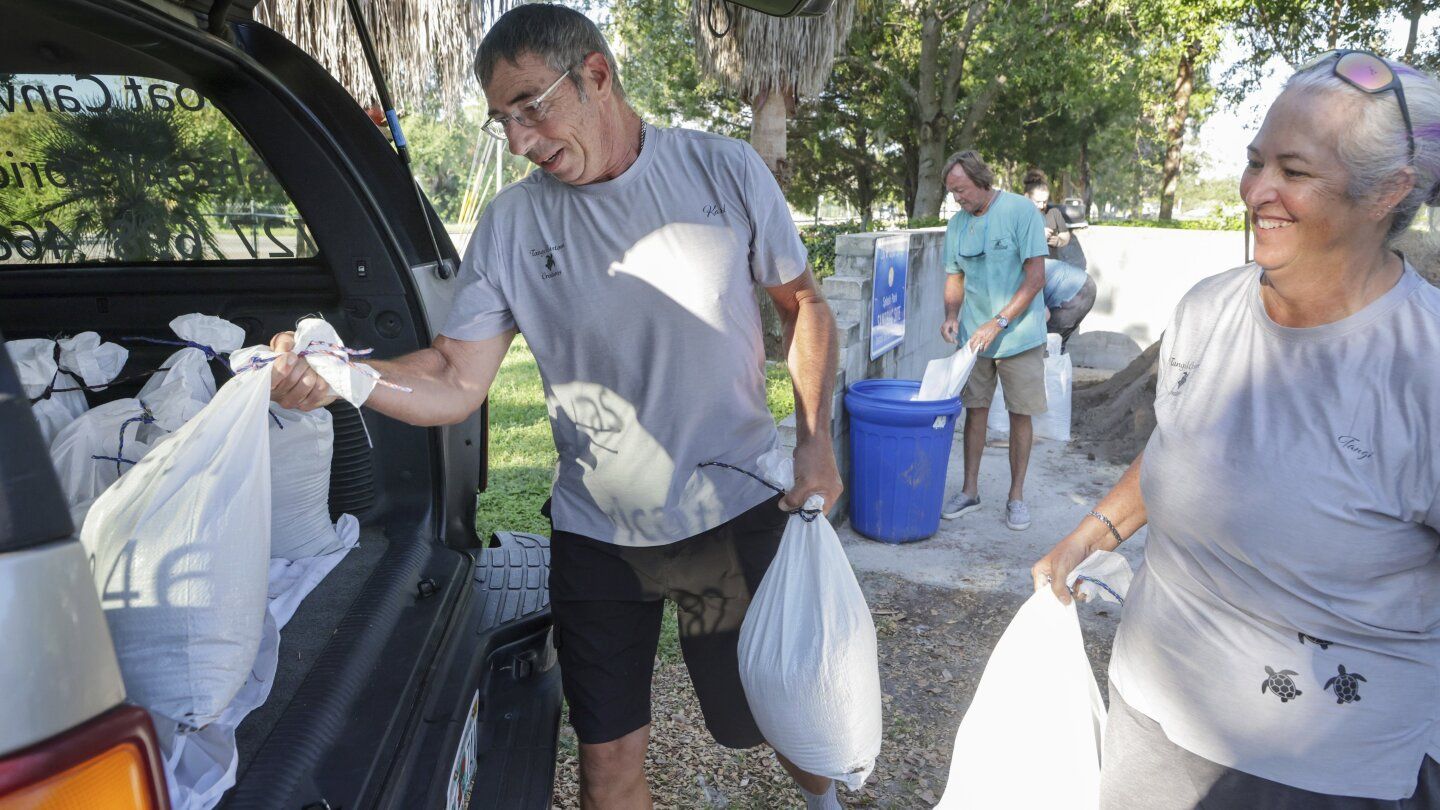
[[1175, 128], [767, 134], [1417, 10]]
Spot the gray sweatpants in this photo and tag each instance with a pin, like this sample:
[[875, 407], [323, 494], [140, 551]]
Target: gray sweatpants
[[1143, 769]]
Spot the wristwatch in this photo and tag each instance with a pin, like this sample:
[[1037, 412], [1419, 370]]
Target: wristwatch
[[1002, 320]]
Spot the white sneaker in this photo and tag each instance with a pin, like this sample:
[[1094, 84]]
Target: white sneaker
[[1017, 515], [958, 505]]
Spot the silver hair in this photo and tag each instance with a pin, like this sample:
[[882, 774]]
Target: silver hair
[[1373, 149], [561, 36]]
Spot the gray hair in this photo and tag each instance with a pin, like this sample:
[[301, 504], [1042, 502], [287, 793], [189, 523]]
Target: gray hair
[[561, 36], [1374, 149], [974, 167]]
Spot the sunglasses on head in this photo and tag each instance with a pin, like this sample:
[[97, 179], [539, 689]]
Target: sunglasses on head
[[1369, 73]]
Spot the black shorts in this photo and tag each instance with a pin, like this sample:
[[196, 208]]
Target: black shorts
[[607, 602]]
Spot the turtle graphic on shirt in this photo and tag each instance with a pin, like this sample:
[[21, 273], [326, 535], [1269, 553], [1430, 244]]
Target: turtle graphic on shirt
[[1347, 686], [1319, 642], [1280, 684]]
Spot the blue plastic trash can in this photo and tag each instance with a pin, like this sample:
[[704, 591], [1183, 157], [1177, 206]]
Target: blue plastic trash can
[[899, 452]]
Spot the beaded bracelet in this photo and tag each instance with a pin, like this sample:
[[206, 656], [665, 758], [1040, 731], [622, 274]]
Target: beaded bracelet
[[1108, 525]]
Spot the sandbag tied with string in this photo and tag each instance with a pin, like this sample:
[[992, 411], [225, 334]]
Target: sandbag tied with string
[[55, 374], [180, 546], [94, 451], [185, 382], [809, 659]]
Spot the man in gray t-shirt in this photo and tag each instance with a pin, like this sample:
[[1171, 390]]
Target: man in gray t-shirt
[[629, 262]]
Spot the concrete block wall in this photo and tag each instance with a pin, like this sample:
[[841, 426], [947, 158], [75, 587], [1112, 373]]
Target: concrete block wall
[[849, 294]]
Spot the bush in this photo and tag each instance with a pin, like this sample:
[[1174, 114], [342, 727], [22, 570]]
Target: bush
[[819, 242]]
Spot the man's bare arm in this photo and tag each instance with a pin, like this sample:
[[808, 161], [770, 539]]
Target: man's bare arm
[[448, 381], [812, 351]]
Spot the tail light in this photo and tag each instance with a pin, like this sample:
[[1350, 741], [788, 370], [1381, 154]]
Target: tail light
[[109, 763]]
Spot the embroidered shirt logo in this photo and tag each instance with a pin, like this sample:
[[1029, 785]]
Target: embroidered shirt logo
[[713, 210], [548, 251], [1352, 444]]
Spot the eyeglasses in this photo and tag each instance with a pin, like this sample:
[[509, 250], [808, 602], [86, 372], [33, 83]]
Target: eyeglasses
[[1369, 73], [528, 115]]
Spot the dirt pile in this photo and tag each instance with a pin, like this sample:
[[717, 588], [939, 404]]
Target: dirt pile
[[1113, 419]]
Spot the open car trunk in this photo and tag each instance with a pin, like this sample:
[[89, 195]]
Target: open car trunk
[[161, 171]]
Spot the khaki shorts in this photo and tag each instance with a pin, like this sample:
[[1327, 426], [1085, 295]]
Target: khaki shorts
[[1022, 377]]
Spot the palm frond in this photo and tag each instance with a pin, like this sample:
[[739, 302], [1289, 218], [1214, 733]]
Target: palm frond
[[762, 54], [425, 47]]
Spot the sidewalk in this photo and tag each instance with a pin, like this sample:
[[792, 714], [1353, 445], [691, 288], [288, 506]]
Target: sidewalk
[[977, 552]]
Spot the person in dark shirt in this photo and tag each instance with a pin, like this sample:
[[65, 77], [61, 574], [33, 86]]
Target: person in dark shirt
[[1069, 290]]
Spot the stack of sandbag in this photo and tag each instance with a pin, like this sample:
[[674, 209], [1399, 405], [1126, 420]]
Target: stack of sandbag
[[53, 372], [181, 546], [1054, 424], [809, 663]]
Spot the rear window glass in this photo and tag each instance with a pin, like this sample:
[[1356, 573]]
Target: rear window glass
[[124, 169]]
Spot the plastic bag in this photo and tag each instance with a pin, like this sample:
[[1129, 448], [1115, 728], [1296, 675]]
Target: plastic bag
[[180, 548], [43, 365], [945, 378], [808, 658], [301, 447], [185, 380], [1032, 735], [1054, 424]]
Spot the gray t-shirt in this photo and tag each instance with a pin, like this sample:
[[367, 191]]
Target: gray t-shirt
[[1286, 620], [637, 297]]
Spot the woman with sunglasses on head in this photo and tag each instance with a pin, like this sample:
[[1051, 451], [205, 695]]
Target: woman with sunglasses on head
[[1280, 645]]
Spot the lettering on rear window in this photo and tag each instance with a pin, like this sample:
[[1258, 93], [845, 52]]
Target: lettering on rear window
[[100, 169]]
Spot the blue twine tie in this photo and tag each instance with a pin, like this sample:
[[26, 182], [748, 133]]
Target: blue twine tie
[[1106, 588], [210, 353], [145, 418]]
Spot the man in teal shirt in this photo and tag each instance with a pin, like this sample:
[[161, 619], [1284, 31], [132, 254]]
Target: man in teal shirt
[[995, 267]]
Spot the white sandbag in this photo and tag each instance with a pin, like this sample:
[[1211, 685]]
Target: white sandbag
[[180, 547], [808, 657], [1033, 733], [200, 765], [1054, 424], [945, 378], [45, 365], [104, 443], [301, 446], [318, 341], [186, 374]]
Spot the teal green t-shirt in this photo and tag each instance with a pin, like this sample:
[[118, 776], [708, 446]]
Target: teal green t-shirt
[[1010, 231]]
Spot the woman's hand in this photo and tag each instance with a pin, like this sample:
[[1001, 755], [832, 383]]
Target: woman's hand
[[1054, 568]]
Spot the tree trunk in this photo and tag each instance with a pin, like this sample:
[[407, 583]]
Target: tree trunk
[[1337, 7], [864, 179], [1175, 128], [1417, 10], [767, 134], [1085, 193], [929, 185]]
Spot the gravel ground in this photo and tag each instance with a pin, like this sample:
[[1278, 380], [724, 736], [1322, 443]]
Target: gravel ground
[[933, 646]]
